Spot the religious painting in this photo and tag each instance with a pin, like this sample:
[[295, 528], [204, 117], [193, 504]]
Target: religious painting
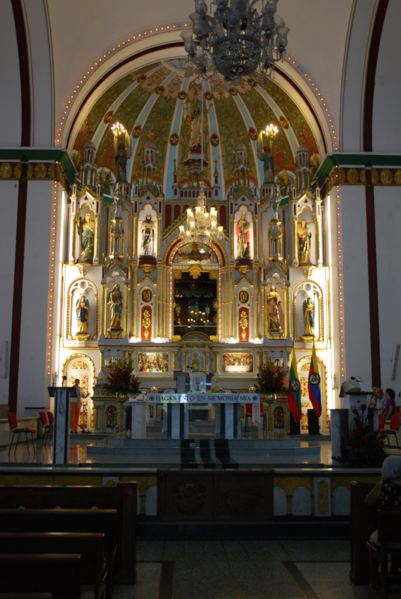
[[153, 362], [238, 363], [193, 253]]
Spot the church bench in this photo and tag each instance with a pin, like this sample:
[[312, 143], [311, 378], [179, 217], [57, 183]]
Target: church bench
[[122, 497], [26, 595], [90, 546], [57, 574], [361, 529], [66, 521], [388, 543]]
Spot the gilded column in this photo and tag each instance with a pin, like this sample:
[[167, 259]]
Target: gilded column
[[263, 310], [222, 306], [159, 235], [258, 358], [287, 311], [319, 252], [217, 361], [231, 306], [256, 237], [72, 240], [104, 308], [134, 291], [101, 359], [126, 309], [173, 360], [296, 260], [184, 366], [232, 235], [96, 241], [256, 301], [159, 301], [135, 237], [167, 304]]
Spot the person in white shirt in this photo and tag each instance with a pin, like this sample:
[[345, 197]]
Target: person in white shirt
[[76, 406]]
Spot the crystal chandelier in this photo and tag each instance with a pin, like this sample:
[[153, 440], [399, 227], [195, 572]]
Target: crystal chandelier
[[201, 226], [237, 39]]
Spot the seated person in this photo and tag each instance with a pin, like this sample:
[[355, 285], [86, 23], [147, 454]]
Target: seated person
[[386, 495], [389, 407], [380, 400]]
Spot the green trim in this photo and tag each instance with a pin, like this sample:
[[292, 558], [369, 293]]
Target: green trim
[[39, 155], [362, 159], [107, 199]]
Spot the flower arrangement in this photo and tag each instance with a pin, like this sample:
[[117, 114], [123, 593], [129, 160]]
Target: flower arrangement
[[362, 447], [120, 380], [270, 378]]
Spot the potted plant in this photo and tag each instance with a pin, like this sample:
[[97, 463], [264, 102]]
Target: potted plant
[[362, 448], [270, 379], [120, 380]]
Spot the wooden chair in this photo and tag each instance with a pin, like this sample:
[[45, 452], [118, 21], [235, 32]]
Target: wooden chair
[[388, 543], [394, 428], [13, 423], [57, 574]]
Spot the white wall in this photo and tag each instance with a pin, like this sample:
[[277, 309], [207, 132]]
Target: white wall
[[387, 98], [388, 249], [356, 291], [8, 223], [10, 96], [32, 375]]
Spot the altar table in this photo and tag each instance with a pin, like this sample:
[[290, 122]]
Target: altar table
[[228, 411]]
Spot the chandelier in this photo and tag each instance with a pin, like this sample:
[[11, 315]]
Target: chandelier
[[201, 226], [237, 39]]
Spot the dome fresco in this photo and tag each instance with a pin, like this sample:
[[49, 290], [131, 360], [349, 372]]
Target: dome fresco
[[150, 101]]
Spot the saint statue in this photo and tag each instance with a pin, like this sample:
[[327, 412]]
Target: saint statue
[[82, 309], [274, 204], [273, 300], [309, 317], [122, 152], [243, 231], [265, 155], [304, 236], [148, 236], [87, 239], [196, 130], [115, 301], [118, 210]]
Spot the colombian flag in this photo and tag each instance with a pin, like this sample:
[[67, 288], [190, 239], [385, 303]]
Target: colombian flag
[[294, 395], [314, 384]]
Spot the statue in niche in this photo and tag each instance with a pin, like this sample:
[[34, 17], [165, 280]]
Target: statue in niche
[[118, 211], [309, 317], [82, 310], [122, 152], [274, 205], [265, 155], [148, 236], [87, 233], [196, 130], [304, 236], [243, 231], [115, 301], [273, 300]]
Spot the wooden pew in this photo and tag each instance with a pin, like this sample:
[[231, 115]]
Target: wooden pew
[[361, 529], [66, 521], [26, 596], [57, 574], [90, 546], [122, 497]]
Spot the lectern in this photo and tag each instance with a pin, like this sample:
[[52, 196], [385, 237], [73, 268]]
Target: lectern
[[61, 426]]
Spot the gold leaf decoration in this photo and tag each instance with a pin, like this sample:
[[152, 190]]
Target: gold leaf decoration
[[341, 173], [386, 176], [5, 170], [363, 176], [40, 171], [397, 176], [353, 176], [375, 176]]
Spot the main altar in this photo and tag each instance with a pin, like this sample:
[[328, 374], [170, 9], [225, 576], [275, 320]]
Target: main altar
[[137, 284]]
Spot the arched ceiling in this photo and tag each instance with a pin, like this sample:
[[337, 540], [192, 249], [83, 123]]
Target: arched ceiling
[[152, 98], [82, 32]]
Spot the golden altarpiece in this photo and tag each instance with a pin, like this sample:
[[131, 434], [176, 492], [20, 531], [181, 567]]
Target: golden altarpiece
[[132, 286]]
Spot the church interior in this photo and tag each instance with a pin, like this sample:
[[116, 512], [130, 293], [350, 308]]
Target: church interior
[[199, 232]]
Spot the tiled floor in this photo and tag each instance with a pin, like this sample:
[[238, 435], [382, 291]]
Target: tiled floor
[[243, 570]]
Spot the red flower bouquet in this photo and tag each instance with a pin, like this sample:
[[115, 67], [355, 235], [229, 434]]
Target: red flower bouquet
[[120, 380], [270, 378]]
